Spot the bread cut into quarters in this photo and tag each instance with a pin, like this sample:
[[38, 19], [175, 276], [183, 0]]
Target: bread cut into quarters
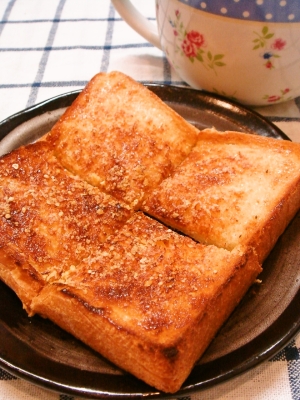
[[149, 292]]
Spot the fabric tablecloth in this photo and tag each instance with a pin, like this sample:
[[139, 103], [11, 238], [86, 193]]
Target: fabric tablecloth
[[50, 47]]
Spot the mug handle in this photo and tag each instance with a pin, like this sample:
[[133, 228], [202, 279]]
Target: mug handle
[[137, 21]]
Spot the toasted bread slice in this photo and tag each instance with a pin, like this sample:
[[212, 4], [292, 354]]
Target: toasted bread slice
[[233, 189], [147, 298], [50, 220], [120, 136], [150, 300]]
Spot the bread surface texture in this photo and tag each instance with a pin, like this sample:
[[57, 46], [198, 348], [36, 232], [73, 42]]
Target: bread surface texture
[[50, 219], [147, 297], [232, 189], [137, 233], [120, 136]]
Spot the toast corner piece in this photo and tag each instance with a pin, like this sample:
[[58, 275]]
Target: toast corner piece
[[120, 136], [49, 219], [232, 189], [151, 300]]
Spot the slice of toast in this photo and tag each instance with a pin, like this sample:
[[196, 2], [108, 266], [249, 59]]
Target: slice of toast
[[233, 189], [145, 297], [50, 220], [120, 136], [150, 300]]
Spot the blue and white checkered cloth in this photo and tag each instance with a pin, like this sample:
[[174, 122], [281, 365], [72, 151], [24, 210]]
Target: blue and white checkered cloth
[[50, 47]]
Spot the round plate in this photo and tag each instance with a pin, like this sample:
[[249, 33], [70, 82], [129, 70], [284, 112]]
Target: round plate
[[263, 323]]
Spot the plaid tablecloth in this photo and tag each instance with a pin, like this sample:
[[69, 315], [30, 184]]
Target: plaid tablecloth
[[50, 47]]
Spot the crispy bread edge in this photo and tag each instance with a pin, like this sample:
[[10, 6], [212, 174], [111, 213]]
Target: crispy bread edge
[[279, 218], [164, 366]]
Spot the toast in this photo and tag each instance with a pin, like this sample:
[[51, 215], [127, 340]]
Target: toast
[[149, 292], [120, 136], [50, 220], [151, 299], [233, 189]]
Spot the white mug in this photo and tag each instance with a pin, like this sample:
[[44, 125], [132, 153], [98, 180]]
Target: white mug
[[247, 50]]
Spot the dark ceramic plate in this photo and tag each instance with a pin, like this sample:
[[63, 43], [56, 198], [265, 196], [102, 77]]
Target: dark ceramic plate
[[265, 321]]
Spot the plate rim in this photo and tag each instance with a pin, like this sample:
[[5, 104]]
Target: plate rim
[[233, 108]]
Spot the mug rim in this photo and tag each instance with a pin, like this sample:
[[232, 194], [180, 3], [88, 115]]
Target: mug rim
[[267, 11]]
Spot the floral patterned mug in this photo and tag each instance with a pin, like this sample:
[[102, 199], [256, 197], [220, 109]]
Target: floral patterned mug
[[248, 50]]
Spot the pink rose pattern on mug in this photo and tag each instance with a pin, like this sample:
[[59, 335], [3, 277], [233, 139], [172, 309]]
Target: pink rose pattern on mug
[[192, 45]]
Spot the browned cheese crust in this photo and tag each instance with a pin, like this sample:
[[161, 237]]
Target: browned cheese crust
[[150, 299], [233, 189], [120, 136], [49, 219]]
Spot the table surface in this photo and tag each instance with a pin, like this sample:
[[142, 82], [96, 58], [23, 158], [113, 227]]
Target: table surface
[[48, 48]]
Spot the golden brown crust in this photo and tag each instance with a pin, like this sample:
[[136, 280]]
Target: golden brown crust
[[152, 292], [49, 219], [145, 297], [120, 136], [232, 189]]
